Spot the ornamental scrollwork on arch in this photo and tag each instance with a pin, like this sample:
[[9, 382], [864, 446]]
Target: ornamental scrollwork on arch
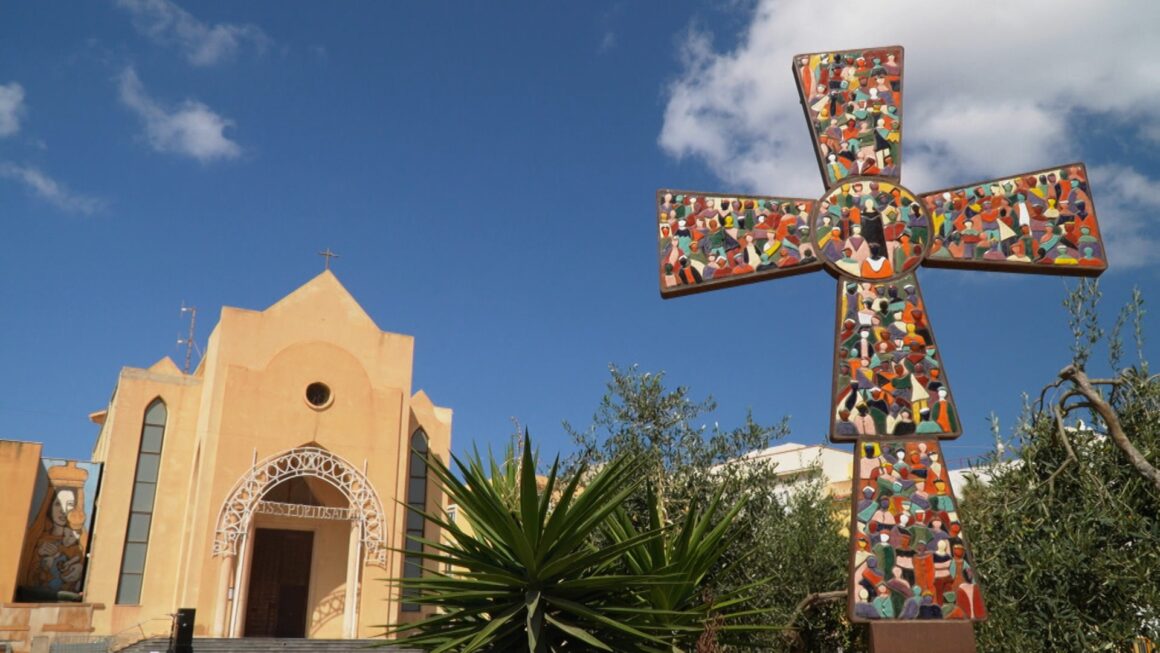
[[243, 500]]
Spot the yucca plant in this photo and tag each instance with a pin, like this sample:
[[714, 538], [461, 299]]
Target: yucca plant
[[530, 577], [685, 553]]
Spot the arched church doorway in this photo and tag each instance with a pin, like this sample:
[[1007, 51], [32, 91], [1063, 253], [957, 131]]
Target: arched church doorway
[[279, 584], [282, 562], [294, 536]]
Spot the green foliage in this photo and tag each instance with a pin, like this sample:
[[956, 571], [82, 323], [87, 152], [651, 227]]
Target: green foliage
[[641, 418], [686, 553], [528, 577], [788, 543], [1134, 311], [1083, 319], [796, 544], [1068, 548], [531, 575]]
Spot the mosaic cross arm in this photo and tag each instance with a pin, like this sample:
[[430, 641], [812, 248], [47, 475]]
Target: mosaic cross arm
[[909, 559]]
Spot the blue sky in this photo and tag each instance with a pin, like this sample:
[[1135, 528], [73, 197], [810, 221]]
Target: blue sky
[[487, 173]]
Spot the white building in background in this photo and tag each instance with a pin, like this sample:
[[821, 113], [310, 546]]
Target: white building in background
[[798, 464], [981, 474], [960, 478]]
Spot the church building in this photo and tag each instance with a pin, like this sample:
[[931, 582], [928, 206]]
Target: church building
[[267, 489]]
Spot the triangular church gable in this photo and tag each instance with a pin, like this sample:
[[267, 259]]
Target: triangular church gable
[[323, 295], [165, 366]]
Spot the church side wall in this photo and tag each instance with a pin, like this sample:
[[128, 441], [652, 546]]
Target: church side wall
[[19, 463], [137, 389], [436, 423], [199, 569]]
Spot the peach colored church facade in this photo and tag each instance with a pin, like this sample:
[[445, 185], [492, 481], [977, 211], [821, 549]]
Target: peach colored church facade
[[266, 488]]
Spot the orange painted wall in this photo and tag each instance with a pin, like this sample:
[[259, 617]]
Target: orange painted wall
[[245, 403], [19, 464]]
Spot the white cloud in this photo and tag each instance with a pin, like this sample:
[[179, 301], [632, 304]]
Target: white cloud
[[49, 189], [11, 108], [1125, 203], [610, 23], [607, 43], [191, 129], [203, 44], [992, 88]]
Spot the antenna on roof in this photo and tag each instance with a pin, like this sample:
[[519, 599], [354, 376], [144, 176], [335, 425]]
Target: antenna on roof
[[189, 341]]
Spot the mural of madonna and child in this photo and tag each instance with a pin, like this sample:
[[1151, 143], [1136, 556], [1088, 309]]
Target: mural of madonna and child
[[57, 539]]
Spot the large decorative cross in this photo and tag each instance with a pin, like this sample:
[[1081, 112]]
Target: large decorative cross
[[909, 561]]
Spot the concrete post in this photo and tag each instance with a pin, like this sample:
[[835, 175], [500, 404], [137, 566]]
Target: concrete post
[[222, 596], [350, 607]]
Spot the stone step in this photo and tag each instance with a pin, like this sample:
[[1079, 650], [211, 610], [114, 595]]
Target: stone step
[[266, 645]]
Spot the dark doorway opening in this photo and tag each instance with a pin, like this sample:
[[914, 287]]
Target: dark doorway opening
[[279, 583]]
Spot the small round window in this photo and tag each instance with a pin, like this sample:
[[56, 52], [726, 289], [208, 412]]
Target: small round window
[[318, 395]]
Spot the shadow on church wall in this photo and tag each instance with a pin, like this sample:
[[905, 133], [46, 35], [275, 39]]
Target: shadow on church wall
[[330, 606]]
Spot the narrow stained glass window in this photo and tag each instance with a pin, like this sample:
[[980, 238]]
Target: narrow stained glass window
[[416, 504], [141, 505]]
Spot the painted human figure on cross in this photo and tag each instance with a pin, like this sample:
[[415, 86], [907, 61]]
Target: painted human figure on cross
[[909, 559]]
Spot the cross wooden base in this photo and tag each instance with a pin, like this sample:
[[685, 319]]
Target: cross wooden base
[[909, 636]]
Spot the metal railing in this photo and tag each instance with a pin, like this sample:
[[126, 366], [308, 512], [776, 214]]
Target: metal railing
[[136, 633]]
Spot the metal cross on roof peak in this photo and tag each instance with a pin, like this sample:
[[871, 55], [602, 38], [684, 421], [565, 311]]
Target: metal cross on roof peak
[[327, 254], [890, 393]]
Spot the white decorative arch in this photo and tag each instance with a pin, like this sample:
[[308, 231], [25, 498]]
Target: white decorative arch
[[243, 500]]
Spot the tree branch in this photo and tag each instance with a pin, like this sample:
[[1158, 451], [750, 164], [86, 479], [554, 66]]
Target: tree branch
[[1043, 394], [1050, 480], [1082, 384], [1076, 406], [809, 601]]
